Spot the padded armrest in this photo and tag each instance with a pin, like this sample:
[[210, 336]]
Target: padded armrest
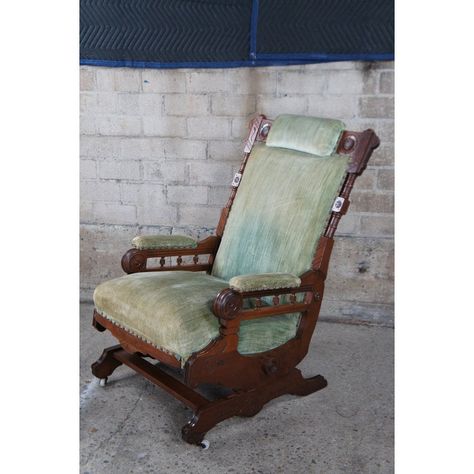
[[264, 281], [146, 242]]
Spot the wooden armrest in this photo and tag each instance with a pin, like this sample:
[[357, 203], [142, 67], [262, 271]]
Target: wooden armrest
[[228, 304], [228, 307], [135, 260]]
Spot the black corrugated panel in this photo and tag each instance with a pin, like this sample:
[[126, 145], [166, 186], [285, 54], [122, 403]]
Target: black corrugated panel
[[325, 26], [219, 33]]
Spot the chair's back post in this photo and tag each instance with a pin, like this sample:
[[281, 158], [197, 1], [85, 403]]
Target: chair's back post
[[258, 131], [359, 145]]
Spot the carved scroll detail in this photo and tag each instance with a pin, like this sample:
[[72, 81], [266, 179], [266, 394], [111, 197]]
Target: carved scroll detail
[[134, 261], [227, 304]]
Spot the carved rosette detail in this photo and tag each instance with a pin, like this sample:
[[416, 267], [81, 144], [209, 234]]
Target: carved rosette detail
[[227, 304], [359, 145], [134, 261]]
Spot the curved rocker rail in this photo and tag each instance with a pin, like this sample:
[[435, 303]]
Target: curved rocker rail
[[208, 413]]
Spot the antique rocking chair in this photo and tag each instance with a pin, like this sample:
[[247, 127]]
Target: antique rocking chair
[[243, 316]]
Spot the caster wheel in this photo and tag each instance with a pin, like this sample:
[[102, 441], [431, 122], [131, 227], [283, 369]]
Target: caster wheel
[[204, 444], [103, 382]]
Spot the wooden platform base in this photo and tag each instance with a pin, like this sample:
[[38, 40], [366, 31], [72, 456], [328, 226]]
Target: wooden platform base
[[208, 413]]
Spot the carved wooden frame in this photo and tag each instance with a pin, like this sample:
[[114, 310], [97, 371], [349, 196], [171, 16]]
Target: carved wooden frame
[[256, 378]]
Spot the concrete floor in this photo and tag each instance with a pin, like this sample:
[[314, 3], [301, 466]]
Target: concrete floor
[[131, 426]]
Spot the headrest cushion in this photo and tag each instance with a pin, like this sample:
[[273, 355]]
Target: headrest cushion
[[318, 136]]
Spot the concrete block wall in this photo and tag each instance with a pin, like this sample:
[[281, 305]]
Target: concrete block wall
[[159, 149]]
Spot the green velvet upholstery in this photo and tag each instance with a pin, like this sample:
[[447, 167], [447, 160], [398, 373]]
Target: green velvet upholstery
[[172, 311], [264, 281], [280, 211], [283, 202], [307, 134], [143, 242]]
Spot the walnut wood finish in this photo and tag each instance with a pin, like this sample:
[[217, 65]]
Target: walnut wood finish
[[249, 403], [182, 392], [106, 363], [132, 343], [359, 146], [135, 260], [254, 378], [214, 362]]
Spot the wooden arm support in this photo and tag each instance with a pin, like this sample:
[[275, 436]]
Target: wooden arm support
[[211, 364], [228, 304], [135, 260]]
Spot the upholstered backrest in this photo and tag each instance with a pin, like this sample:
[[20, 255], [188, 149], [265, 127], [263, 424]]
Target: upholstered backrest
[[284, 199]]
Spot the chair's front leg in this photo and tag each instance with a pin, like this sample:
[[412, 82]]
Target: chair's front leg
[[106, 363]]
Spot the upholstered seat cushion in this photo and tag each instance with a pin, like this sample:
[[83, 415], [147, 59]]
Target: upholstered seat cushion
[[172, 311]]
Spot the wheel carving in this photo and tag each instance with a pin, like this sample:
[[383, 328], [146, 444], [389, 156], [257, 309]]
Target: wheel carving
[[227, 304], [134, 261]]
